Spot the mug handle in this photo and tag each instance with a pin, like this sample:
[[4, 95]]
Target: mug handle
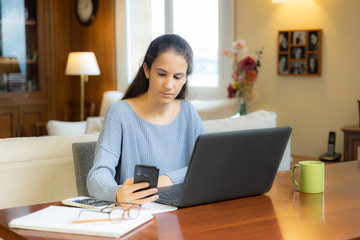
[[292, 174]]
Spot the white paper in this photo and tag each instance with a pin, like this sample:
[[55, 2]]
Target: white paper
[[152, 208], [58, 219]]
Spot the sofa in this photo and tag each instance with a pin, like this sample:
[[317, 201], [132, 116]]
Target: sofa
[[40, 169]]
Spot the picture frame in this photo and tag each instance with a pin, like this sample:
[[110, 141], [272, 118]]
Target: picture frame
[[299, 52]]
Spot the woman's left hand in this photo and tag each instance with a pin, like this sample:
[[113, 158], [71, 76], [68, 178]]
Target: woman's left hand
[[164, 181]]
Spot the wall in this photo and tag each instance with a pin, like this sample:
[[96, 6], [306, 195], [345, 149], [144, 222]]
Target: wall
[[66, 35], [98, 37], [312, 105], [57, 47]]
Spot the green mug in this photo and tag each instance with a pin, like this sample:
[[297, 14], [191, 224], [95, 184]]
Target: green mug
[[311, 176]]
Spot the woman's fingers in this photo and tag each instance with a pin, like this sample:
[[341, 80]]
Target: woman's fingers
[[143, 200], [130, 187], [129, 192], [140, 197], [144, 193]]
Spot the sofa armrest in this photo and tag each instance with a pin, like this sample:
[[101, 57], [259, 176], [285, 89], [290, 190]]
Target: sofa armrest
[[37, 169]]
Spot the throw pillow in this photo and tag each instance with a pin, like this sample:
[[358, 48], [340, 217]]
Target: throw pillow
[[62, 128]]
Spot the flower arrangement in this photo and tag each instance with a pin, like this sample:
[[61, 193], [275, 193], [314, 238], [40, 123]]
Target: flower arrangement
[[245, 71]]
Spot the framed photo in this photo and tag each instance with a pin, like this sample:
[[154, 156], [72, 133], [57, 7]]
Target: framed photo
[[283, 64], [299, 52], [283, 41]]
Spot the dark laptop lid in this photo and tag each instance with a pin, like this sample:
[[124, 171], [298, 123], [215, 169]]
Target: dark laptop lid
[[236, 164]]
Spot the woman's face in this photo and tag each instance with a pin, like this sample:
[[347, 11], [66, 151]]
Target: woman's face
[[167, 76]]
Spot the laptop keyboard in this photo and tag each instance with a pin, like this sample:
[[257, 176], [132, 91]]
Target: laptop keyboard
[[172, 195], [169, 195]]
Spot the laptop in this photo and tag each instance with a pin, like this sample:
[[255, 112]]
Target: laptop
[[229, 165]]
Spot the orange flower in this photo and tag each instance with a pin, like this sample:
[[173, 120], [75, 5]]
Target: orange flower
[[251, 77]]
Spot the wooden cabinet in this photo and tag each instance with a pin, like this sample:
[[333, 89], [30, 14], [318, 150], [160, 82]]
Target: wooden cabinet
[[22, 121], [8, 122], [33, 85], [351, 142], [23, 64], [19, 68]]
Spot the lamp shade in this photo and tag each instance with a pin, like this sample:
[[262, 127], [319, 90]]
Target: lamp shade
[[9, 65], [82, 63]]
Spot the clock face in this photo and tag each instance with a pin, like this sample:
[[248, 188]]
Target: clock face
[[86, 10]]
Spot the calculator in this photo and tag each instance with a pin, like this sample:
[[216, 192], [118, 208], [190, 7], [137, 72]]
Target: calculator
[[86, 202]]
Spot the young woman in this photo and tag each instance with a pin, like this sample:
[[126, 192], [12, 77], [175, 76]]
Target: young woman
[[151, 125]]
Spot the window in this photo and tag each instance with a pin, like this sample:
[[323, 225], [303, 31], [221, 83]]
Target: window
[[208, 32], [203, 36]]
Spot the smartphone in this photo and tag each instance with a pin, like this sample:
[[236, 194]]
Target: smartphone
[[148, 174]]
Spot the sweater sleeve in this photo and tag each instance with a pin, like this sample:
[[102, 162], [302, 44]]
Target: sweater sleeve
[[101, 182]]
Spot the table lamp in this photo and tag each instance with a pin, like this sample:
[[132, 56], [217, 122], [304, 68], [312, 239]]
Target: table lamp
[[83, 64]]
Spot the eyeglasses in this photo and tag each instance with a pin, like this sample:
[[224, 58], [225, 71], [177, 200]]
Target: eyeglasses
[[116, 213]]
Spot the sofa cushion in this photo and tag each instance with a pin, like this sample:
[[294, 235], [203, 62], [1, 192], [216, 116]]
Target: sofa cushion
[[37, 181], [254, 120], [94, 124], [216, 109], [258, 119], [63, 128]]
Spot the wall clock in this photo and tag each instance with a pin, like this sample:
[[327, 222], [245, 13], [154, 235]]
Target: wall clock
[[86, 11]]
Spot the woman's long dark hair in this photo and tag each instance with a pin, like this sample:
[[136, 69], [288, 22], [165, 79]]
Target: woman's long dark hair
[[158, 46]]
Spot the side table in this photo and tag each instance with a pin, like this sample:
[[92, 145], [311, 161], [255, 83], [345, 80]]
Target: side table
[[351, 142]]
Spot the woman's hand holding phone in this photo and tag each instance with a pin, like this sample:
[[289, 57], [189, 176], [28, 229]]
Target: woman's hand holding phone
[[132, 192], [142, 188]]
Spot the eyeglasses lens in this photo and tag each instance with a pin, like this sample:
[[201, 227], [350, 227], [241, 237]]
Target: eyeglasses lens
[[134, 211], [116, 215]]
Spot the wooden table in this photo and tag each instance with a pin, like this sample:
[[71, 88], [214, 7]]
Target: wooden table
[[351, 142], [283, 213]]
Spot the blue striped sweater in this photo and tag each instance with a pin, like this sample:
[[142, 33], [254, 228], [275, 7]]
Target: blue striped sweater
[[127, 140]]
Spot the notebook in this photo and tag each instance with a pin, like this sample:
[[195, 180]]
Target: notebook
[[58, 219], [229, 165]]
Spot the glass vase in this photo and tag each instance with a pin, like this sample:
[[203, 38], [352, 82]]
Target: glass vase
[[242, 106]]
